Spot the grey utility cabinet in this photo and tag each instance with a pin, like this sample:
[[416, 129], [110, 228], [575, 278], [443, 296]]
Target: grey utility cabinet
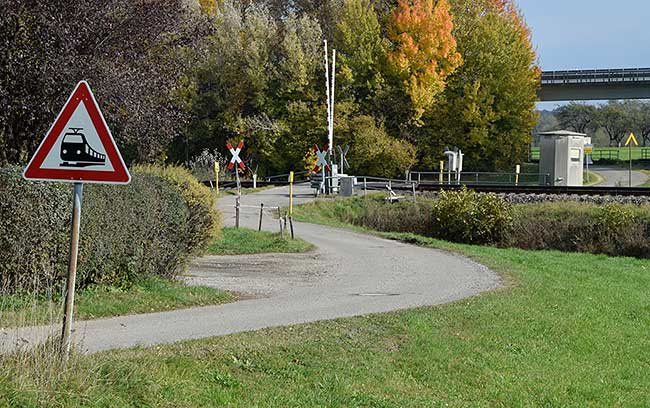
[[562, 157]]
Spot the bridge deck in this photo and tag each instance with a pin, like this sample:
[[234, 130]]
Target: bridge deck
[[595, 84]]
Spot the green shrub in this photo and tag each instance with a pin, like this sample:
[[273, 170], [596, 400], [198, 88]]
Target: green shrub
[[614, 229], [152, 226], [205, 219], [34, 230], [469, 217]]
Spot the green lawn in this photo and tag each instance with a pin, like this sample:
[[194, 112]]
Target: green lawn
[[566, 330], [240, 241], [151, 295]]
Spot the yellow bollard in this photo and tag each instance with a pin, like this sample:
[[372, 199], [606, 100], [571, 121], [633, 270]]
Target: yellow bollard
[[290, 193], [216, 175], [442, 171]]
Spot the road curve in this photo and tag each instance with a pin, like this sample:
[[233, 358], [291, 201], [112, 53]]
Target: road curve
[[349, 274], [620, 177]]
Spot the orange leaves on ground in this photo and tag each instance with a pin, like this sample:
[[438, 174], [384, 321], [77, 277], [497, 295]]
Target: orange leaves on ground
[[423, 50]]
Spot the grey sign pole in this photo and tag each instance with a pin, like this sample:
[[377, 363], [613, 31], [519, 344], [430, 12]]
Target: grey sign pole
[[630, 177], [72, 271]]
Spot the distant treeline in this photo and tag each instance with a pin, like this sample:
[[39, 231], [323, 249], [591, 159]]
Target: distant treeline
[[614, 120]]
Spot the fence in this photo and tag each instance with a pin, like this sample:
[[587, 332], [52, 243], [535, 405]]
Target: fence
[[479, 178], [606, 153]]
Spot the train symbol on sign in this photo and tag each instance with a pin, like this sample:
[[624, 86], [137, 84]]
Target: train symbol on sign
[[76, 152]]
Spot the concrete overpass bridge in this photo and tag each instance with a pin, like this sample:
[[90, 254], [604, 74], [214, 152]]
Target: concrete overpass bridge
[[597, 84]]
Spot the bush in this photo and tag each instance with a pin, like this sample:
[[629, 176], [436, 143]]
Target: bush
[[459, 216], [375, 152], [469, 217], [146, 228], [34, 230], [612, 229], [205, 219]]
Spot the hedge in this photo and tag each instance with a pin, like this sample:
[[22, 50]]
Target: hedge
[[153, 226], [468, 217]]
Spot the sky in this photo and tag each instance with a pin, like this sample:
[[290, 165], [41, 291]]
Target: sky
[[589, 34]]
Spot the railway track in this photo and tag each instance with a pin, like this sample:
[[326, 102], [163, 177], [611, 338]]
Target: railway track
[[400, 185]]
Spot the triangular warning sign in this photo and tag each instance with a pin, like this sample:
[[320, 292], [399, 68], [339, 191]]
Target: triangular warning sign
[[79, 146], [631, 139]]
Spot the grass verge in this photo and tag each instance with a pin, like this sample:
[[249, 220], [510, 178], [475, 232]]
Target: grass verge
[[241, 241], [593, 179], [146, 296]]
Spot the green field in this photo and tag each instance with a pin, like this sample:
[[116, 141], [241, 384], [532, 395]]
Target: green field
[[565, 330], [610, 153]]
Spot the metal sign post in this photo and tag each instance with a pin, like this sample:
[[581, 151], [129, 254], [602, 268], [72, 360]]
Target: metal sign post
[[77, 150], [343, 152], [629, 142], [72, 271], [236, 163], [589, 148]]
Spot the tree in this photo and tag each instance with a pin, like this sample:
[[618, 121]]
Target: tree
[[578, 117], [615, 120], [132, 53], [260, 82], [423, 51], [361, 53], [375, 152], [488, 107]]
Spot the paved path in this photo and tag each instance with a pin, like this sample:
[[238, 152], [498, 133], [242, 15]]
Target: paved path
[[617, 176], [350, 274]]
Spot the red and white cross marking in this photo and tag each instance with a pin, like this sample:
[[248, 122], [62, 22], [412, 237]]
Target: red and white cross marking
[[322, 158], [235, 156]]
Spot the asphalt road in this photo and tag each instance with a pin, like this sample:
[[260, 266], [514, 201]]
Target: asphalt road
[[616, 176], [349, 274]]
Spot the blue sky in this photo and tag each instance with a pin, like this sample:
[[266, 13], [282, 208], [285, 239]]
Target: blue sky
[[589, 34], [583, 34]]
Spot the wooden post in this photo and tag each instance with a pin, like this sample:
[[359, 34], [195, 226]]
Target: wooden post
[[72, 272], [280, 221], [261, 215], [237, 204], [442, 172], [415, 200]]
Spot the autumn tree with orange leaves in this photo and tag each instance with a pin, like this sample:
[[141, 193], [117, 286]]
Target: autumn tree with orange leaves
[[423, 51], [488, 106]]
